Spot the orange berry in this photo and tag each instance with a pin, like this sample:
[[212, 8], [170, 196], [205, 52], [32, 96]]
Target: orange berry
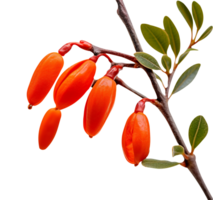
[[48, 127], [73, 83], [99, 105], [136, 138], [44, 77]]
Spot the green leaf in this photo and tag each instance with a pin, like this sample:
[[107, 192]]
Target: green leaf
[[197, 131], [186, 78], [186, 14], [173, 35], [156, 37], [185, 53], [166, 62], [206, 33], [160, 79], [158, 164], [197, 14], [177, 150], [147, 60]]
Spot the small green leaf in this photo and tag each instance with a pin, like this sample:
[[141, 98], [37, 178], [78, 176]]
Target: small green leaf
[[197, 131], [173, 35], [156, 37], [197, 14], [166, 62], [160, 79], [158, 164], [147, 60], [185, 53], [186, 78], [177, 150], [186, 14], [206, 33]]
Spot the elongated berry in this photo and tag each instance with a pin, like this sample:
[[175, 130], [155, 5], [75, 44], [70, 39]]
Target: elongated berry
[[136, 136], [44, 77], [100, 102], [73, 83], [48, 127]]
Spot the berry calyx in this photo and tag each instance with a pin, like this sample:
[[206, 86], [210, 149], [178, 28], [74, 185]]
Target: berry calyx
[[67, 47], [113, 71], [141, 104]]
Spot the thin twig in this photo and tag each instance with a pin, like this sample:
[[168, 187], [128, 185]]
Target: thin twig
[[170, 76], [123, 84]]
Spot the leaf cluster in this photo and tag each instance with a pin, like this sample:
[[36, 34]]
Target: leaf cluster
[[160, 40]]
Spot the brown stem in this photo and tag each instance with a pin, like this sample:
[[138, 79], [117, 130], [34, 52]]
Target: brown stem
[[123, 84], [123, 14], [170, 76], [191, 164], [97, 49], [192, 44]]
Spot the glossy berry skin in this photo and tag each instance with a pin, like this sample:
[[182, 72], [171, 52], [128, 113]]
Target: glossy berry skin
[[44, 77], [99, 104], [73, 83], [136, 138], [48, 127]]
